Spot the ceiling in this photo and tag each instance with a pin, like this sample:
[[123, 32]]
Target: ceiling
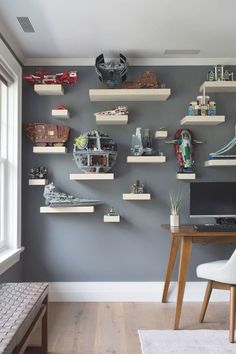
[[137, 28]]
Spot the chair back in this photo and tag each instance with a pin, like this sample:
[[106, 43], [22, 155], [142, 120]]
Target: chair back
[[232, 261]]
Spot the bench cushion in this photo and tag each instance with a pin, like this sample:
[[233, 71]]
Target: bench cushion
[[19, 305]]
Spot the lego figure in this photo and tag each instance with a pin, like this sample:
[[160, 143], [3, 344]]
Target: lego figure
[[38, 173], [112, 212], [43, 134]]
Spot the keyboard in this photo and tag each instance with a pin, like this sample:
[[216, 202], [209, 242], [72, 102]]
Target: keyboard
[[215, 227]]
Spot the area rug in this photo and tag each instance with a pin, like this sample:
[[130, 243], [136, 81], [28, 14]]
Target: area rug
[[186, 342]]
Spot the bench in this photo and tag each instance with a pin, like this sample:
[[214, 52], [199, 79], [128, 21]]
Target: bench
[[22, 306]]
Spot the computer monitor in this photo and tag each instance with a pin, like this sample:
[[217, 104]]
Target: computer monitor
[[213, 199]]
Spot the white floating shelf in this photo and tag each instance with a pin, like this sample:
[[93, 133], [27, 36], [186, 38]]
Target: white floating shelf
[[49, 149], [47, 90], [111, 218], [202, 120], [161, 134], [91, 176], [129, 94], [218, 86], [112, 119], [134, 196], [220, 162], [72, 209], [146, 159], [38, 182], [186, 176], [60, 113]]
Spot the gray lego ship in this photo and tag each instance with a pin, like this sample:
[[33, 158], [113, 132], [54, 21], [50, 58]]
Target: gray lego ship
[[55, 198], [94, 152]]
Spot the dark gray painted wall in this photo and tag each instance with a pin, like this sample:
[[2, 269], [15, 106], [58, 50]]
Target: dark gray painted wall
[[78, 247]]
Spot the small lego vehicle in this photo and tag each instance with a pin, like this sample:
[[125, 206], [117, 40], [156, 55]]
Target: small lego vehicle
[[42, 77], [120, 110], [47, 134]]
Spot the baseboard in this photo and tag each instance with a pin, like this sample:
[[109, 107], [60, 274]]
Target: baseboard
[[127, 292]]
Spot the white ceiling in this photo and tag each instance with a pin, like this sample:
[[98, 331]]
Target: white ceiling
[[137, 28]]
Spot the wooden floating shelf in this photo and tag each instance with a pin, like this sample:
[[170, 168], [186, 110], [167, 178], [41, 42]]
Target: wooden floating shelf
[[220, 162], [146, 159], [91, 176], [161, 134], [129, 94], [186, 176], [218, 86], [49, 90], [111, 218], [112, 120], [72, 209], [60, 113], [38, 182], [202, 120], [134, 196], [49, 149]]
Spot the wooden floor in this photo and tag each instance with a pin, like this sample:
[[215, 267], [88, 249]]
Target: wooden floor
[[111, 328]]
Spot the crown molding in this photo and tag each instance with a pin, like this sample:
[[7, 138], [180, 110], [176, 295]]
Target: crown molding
[[132, 61]]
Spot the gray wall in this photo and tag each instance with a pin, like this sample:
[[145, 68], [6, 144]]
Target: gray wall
[[78, 247]]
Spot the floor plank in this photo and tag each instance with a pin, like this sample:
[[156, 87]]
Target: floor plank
[[111, 328]]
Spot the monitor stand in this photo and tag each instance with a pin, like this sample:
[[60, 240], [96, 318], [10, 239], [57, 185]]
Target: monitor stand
[[226, 221]]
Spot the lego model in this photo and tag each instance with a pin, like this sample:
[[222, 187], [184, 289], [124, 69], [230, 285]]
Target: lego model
[[55, 198], [42, 77], [219, 73], [47, 134], [111, 74], [38, 173], [137, 188], [118, 111], [142, 142], [220, 154], [147, 79], [202, 107], [94, 152], [184, 149]]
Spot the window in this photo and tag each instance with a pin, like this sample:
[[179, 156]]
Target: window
[[10, 159], [3, 156]]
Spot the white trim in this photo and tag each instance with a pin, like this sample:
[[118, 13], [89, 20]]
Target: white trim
[[8, 258], [11, 40], [132, 61], [127, 291], [13, 161]]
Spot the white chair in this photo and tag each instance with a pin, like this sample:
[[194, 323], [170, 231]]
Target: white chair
[[220, 275]]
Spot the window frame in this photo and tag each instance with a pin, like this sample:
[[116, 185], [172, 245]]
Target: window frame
[[10, 253]]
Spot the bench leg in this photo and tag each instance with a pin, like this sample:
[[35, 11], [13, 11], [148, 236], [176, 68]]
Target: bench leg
[[45, 329]]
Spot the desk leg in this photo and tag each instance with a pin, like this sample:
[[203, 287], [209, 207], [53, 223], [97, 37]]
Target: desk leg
[[171, 263], [186, 247]]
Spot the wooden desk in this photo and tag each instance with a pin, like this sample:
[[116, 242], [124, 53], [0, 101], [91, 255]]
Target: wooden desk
[[184, 236]]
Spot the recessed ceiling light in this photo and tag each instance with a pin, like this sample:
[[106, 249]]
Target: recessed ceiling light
[[181, 51], [25, 24]]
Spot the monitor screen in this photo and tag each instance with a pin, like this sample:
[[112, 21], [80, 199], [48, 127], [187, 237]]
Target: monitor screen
[[213, 199]]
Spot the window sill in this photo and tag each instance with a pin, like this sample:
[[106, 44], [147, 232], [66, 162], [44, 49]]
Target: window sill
[[9, 257]]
